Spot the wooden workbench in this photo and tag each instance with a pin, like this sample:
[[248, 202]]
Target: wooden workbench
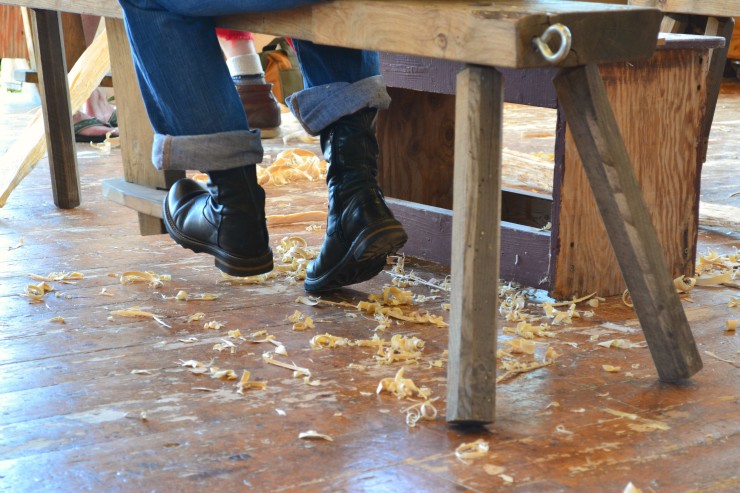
[[456, 30]]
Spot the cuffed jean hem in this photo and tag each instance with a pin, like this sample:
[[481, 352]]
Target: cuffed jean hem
[[318, 107], [207, 152]]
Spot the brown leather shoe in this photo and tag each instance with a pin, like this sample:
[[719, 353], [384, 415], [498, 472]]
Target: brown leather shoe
[[263, 110]]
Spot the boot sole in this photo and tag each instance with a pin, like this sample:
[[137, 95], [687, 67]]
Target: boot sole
[[224, 261], [365, 258]]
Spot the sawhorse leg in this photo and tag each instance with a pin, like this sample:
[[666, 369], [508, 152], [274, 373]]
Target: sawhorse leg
[[589, 115], [52, 69], [135, 129], [471, 371]]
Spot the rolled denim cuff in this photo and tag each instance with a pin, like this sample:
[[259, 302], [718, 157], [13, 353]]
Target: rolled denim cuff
[[207, 152], [318, 107]]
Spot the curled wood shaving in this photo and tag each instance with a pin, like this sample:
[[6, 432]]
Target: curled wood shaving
[[684, 284], [292, 165], [224, 345], [244, 384], [196, 317], [300, 321], [249, 280], [473, 450], [731, 325], [328, 341], [36, 292], [421, 411], [154, 280], [611, 369], [627, 299], [314, 435], [59, 320], [307, 300], [392, 296], [402, 387]]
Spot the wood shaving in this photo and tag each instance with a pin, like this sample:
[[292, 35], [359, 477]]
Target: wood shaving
[[154, 280], [627, 299], [214, 325], [292, 165], [104, 292], [18, 245], [733, 363], [36, 292], [523, 346], [611, 369], [314, 435], [307, 300], [622, 344], [59, 320], [196, 317], [224, 345], [731, 325], [141, 372], [300, 321], [631, 488], [529, 331], [137, 313], [217, 373], [328, 341], [421, 411], [573, 301], [473, 450], [402, 387], [184, 296], [298, 217], [297, 370], [244, 384], [280, 412], [64, 277], [658, 425]]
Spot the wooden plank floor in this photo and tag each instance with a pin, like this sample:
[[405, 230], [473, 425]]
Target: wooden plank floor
[[71, 410]]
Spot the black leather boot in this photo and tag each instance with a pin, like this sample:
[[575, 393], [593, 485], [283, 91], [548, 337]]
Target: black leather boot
[[361, 231], [226, 220]]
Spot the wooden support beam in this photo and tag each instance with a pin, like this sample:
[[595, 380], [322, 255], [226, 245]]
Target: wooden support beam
[[471, 372], [723, 27], [587, 110], [136, 133], [55, 100]]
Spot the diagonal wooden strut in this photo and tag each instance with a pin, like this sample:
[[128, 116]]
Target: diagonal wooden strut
[[587, 110]]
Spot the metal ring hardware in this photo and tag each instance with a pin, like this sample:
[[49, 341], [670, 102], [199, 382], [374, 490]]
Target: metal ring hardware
[[566, 40]]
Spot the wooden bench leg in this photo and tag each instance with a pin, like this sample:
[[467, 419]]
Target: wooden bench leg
[[471, 372], [135, 129], [55, 100], [634, 240], [716, 26]]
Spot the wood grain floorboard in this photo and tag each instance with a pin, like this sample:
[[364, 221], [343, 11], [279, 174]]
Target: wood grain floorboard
[[70, 408]]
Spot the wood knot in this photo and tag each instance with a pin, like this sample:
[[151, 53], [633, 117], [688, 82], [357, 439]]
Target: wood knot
[[441, 40]]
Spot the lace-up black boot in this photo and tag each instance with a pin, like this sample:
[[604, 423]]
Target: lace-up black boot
[[361, 231], [226, 220]]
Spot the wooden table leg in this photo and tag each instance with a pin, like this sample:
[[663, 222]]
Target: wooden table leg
[[587, 110], [471, 372], [135, 129], [55, 100]]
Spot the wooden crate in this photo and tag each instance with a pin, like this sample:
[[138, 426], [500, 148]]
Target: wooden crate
[[574, 257]]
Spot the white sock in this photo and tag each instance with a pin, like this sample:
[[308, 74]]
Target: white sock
[[245, 65]]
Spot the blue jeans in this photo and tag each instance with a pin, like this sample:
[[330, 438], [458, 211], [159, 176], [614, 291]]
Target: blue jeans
[[198, 119]]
